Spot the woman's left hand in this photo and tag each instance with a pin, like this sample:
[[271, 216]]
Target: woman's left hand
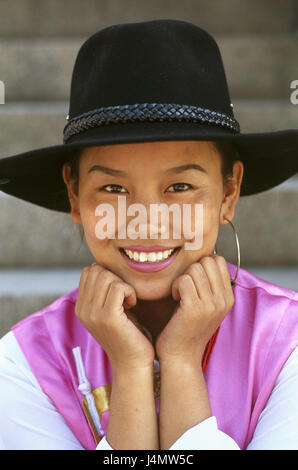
[[206, 296]]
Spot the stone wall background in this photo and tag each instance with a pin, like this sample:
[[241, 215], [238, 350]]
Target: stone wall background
[[41, 254]]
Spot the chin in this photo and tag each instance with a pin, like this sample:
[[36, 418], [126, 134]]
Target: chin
[[147, 292]]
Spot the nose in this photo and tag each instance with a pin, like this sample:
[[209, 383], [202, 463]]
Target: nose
[[154, 219]]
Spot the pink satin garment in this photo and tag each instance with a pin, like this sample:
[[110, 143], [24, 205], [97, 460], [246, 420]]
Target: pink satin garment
[[254, 341]]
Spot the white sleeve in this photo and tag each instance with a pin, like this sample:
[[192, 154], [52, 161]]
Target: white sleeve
[[29, 419], [205, 436], [104, 445], [277, 427]]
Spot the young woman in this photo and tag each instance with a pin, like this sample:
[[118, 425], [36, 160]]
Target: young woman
[[160, 346]]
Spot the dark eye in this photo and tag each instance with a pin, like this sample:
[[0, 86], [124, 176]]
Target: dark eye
[[180, 186], [114, 186]]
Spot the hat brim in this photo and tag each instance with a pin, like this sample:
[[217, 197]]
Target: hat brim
[[36, 176]]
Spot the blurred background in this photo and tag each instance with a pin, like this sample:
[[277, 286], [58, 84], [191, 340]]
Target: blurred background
[[41, 253]]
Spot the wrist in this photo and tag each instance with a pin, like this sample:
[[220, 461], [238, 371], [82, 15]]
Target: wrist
[[130, 373], [183, 388], [132, 419], [190, 364]]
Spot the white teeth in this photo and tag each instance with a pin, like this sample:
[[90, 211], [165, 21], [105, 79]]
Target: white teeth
[[142, 257], [152, 257]]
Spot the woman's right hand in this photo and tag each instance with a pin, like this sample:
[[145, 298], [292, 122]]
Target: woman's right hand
[[102, 305]]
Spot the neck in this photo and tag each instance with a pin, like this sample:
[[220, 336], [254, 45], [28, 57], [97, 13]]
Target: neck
[[154, 314]]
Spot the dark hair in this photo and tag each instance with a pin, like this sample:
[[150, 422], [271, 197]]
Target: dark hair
[[229, 154], [228, 151], [74, 162]]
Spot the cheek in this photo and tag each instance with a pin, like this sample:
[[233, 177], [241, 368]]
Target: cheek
[[96, 226], [205, 211], [205, 224], [211, 228], [100, 248], [89, 219], [211, 217], [211, 225], [90, 216]]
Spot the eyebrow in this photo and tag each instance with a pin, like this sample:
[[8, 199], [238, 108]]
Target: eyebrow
[[174, 170], [108, 171], [188, 166]]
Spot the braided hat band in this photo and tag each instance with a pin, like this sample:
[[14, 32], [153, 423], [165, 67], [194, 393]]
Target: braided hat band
[[147, 112]]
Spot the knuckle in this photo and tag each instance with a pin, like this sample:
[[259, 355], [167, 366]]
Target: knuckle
[[220, 259], [211, 307], [97, 268], [196, 268], [105, 275], [85, 271], [206, 260], [115, 284], [94, 265], [183, 278]]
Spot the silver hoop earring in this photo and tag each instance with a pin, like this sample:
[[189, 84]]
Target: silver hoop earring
[[233, 283]]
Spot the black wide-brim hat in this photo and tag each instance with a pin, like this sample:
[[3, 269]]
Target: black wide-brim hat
[[160, 80]]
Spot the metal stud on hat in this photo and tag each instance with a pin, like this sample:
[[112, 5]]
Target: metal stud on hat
[[4, 180]]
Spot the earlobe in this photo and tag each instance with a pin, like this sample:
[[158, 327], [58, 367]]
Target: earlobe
[[232, 193], [228, 213], [229, 203], [72, 192]]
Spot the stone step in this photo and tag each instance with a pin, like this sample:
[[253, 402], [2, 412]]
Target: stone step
[[266, 224], [28, 125], [258, 66], [35, 236], [25, 291], [51, 18]]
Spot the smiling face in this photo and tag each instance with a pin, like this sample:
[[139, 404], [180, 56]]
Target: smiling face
[[147, 173]]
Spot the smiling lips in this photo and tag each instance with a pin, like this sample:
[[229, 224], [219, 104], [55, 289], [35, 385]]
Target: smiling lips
[[149, 259], [152, 256]]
